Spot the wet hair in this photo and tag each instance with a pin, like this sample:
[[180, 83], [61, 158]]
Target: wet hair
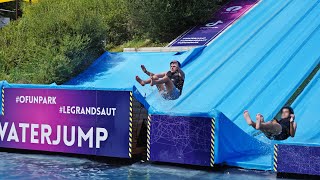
[[175, 61], [289, 108]]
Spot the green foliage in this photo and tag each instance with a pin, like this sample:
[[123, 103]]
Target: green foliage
[[164, 20], [55, 40], [116, 20]]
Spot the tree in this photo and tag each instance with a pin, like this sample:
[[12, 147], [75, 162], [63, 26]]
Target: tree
[[164, 20], [55, 40]]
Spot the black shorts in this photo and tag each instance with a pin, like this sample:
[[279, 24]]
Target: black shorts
[[282, 136]]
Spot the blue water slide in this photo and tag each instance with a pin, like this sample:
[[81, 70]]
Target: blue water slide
[[307, 112], [257, 64]]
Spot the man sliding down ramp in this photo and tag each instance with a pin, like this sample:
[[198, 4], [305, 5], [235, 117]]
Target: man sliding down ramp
[[275, 129], [169, 83]]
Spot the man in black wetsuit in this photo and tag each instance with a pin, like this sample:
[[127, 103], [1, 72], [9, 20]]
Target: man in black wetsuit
[[275, 129], [169, 83]]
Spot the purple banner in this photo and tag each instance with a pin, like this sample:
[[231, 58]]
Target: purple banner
[[72, 121], [203, 34], [298, 159], [185, 140]]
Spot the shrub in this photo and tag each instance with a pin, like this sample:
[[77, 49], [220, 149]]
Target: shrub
[[55, 40], [164, 20]]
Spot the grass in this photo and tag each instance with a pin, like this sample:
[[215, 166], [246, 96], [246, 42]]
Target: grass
[[136, 43]]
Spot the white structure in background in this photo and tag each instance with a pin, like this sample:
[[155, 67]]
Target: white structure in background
[[4, 21]]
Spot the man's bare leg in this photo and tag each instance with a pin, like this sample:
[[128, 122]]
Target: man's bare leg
[[272, 127], [144, 69], [159, 86], [247, 117], [140, 81], [259, 119], [165, 80], [148, 81]]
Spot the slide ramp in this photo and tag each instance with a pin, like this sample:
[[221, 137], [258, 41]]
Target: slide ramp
[[256, 65], [307, 111], [301, 154]]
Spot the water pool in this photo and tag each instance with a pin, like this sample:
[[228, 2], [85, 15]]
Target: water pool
[[36, 166]]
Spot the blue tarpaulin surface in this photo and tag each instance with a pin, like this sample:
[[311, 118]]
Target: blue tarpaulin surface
[[257, 64], [307, 112]]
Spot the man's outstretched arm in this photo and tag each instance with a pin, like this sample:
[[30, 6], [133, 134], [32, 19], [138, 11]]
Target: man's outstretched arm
[[293, 126], [181, 73]]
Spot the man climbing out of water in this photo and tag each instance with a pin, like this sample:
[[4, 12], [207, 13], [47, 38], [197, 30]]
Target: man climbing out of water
[[169, 83], [275, 129]]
